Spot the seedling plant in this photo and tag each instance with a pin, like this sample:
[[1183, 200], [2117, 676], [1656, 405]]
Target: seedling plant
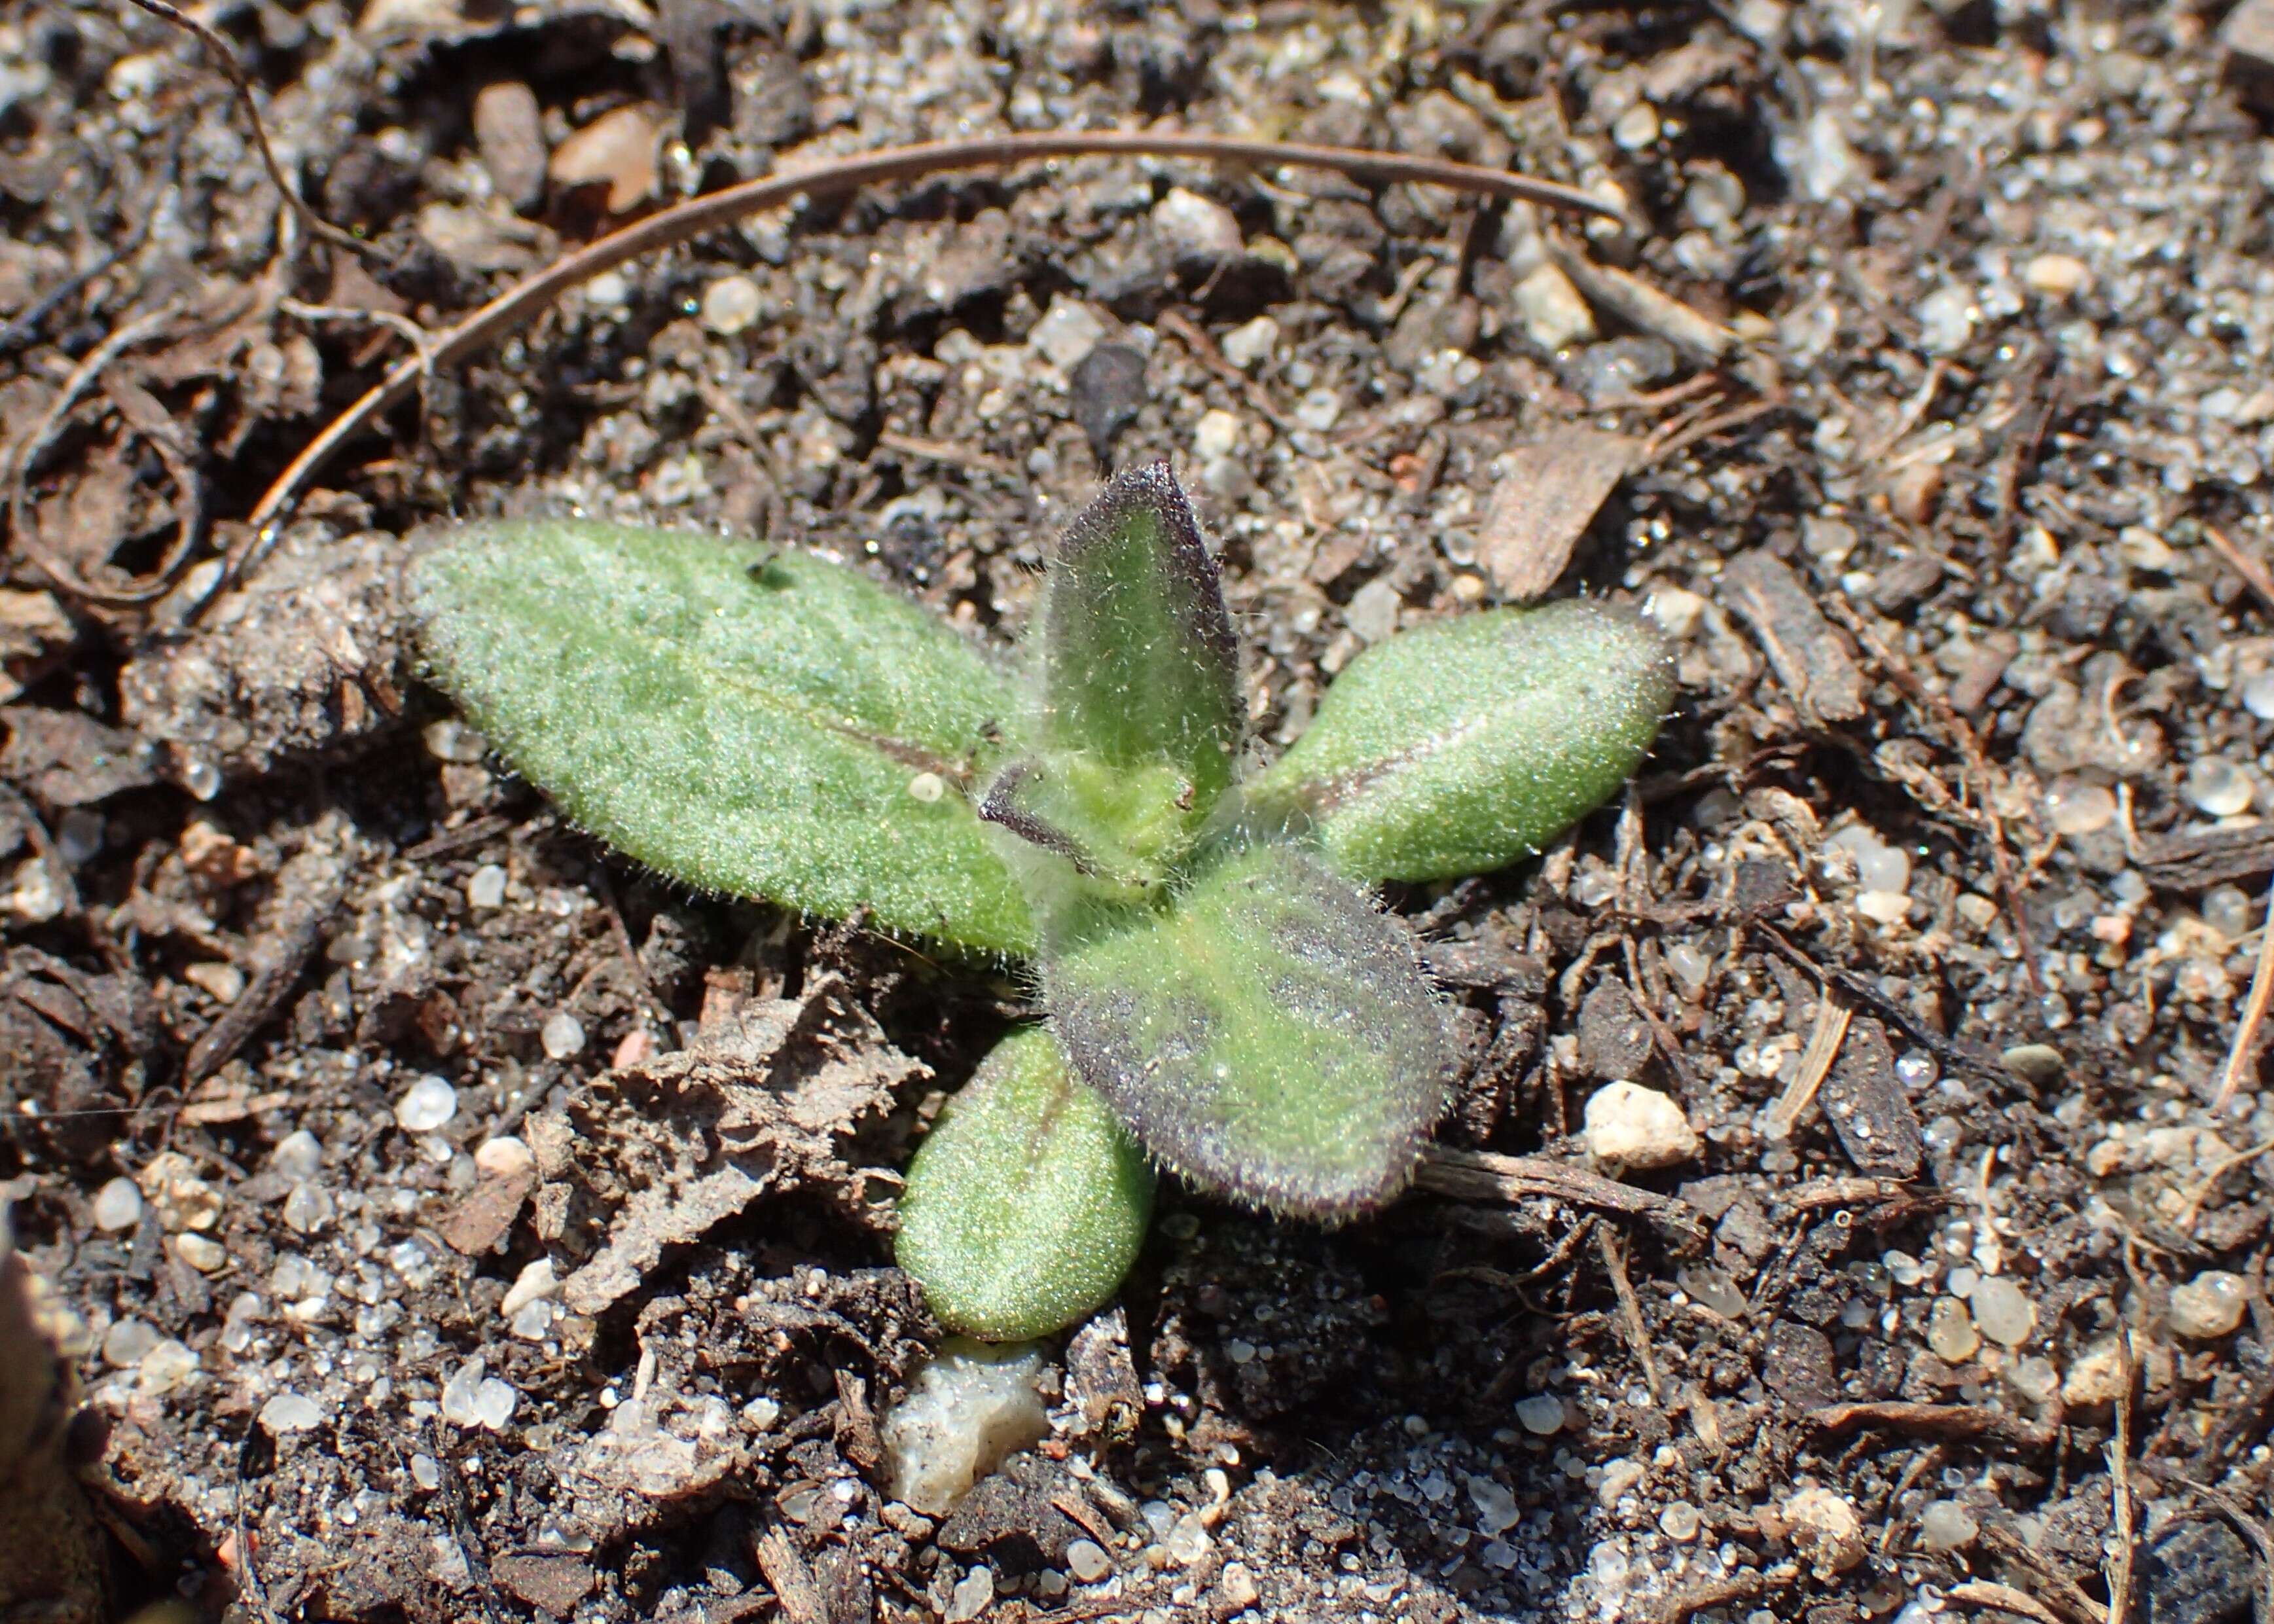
[[1221, 994]]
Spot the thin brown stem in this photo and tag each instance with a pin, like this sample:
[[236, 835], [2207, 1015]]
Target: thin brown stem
[[225, 59], [521, 303]]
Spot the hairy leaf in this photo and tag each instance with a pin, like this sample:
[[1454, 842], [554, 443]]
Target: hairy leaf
[[1028, 1203], [1139, 718], [1270, 1035], [1463, 745], [765, 724]]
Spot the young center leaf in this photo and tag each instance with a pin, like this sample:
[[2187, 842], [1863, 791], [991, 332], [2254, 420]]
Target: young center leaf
[[1463, 745], [763, 724], [1135, 717], [1269, 1035], [1027, 1203]]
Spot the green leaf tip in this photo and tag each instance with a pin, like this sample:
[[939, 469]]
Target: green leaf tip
[[1463, 745], [760, 723], [1028, 1203], [1138, 720], [1270, 1036]]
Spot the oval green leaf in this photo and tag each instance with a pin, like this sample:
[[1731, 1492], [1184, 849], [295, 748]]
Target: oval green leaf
[[1026, 1205], [757, 722], [1465, 744], [1270, 1035], [1138, 721]]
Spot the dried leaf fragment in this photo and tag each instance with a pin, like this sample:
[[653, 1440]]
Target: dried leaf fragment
[[1810, 658], [661, 1151], [1543, 504]]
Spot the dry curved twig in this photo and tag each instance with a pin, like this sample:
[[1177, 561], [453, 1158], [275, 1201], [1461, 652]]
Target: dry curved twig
[[24, 524], [523, 301], [218, 49]]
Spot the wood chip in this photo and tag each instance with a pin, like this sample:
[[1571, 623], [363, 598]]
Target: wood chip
[[510, 134], [1640, 306], [2195, 860], [790, 1579], [1947, 1423], [1543, 505], [485, 1214], [1483, 1176], [2005, 1597], [618, 150], [1810, 658], [1867, 1106], [1824, 1042]]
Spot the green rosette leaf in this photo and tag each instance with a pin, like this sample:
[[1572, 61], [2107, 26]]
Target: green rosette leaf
[[1461, 746], [1028, 1203], [757, 722], [1137, 723], [1269, 1035]]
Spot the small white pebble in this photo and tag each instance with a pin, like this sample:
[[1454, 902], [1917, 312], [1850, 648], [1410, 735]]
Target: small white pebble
[[427, 1472], [2258, 696], [2210, 1304], [486, 887], [1945, 318], [535, 1282], [1189, 1541], [1551, 311], [973, 1595], [165, 1367], [505, 1157], [2217, 787], [1879, 866], [117, 1206], [968, 1409], [1945, 1525], [1497, 1511], [199, 1252], [1636, 129], [2096, 1377], [450, 739], [289, 1413], [2035, 1380], [1068, 331], [298, 1156], [1825, 1530], [125, 1342], [308, 1208], [426, 1106], [2056, 275], [1542, 1414], [1676, 611], [217, 978], [1086, 1562], [1638, 1128], [1320, 408], [1680, 1521], [1882, 907], [1951, 1333], [472, 1399], [2003, 1311], [1238, 1587], [2078, 807], [1251, 342], [731, 304], [1217, 435], [2228, 910], [563, 1036]]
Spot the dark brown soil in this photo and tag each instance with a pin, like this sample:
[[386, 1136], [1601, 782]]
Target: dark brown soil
[[1938, 430]]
